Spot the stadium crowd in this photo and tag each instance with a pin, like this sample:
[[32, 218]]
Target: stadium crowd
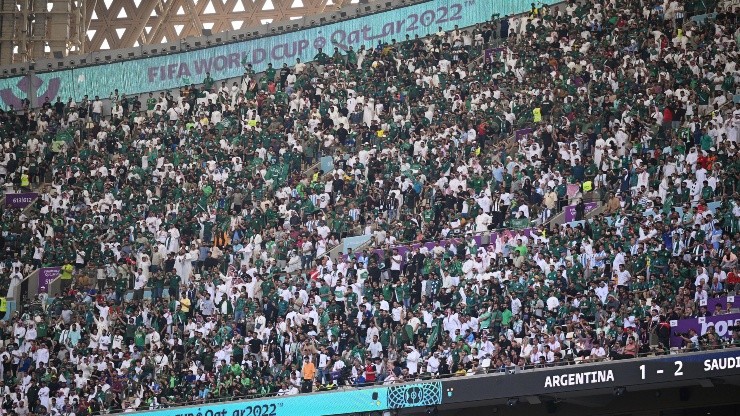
[[193, 227]]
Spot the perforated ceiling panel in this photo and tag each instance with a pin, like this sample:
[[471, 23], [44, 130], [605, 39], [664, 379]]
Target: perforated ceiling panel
[[115, 24]]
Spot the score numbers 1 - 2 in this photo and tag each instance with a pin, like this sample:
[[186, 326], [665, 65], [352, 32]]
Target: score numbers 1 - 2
[[677, 373]]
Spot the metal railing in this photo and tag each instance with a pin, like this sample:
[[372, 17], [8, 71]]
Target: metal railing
[[311, 169]]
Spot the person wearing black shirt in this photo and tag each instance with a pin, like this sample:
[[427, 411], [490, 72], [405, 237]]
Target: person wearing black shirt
[[504, 27], [255, 344], [487, 33], [355, 117], [416, 263], [84, 107], [546, 107], [342, 134], [136, 104], [344, 336], [384, 320], [32, 394], [444, 368], [210, 262], [338, 186], [270, 311], [46, 105], [351, 272], [125, 105], [450, 200], [33, 124], [284, 72], [364, 323], [326, 122], [373, 271], [59, 107]]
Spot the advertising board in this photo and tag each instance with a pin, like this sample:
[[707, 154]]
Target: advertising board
[[320, 404]]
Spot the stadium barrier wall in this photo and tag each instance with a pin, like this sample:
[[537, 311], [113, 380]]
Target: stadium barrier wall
[[358, 400]]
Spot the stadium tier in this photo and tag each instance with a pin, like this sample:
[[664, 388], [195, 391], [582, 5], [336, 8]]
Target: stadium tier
[[449, 204]]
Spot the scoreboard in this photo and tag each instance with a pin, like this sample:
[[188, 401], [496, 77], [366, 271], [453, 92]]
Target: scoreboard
[[636, 374]]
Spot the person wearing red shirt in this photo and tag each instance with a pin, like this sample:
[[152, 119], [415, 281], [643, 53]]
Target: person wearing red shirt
[[369, 372], [701, 206], [733, 277], [668, 116]]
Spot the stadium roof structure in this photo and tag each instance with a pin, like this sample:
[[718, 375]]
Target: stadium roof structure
[[38, 29], [117, 24]]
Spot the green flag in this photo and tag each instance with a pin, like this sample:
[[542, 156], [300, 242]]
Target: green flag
[[64, 136]]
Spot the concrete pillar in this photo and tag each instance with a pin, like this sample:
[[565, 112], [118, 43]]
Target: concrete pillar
[[8, 26], [76, 27], [38, 35], [23, 29], [58, 26]]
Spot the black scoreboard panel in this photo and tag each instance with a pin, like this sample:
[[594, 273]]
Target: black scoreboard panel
[[641, 373]]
